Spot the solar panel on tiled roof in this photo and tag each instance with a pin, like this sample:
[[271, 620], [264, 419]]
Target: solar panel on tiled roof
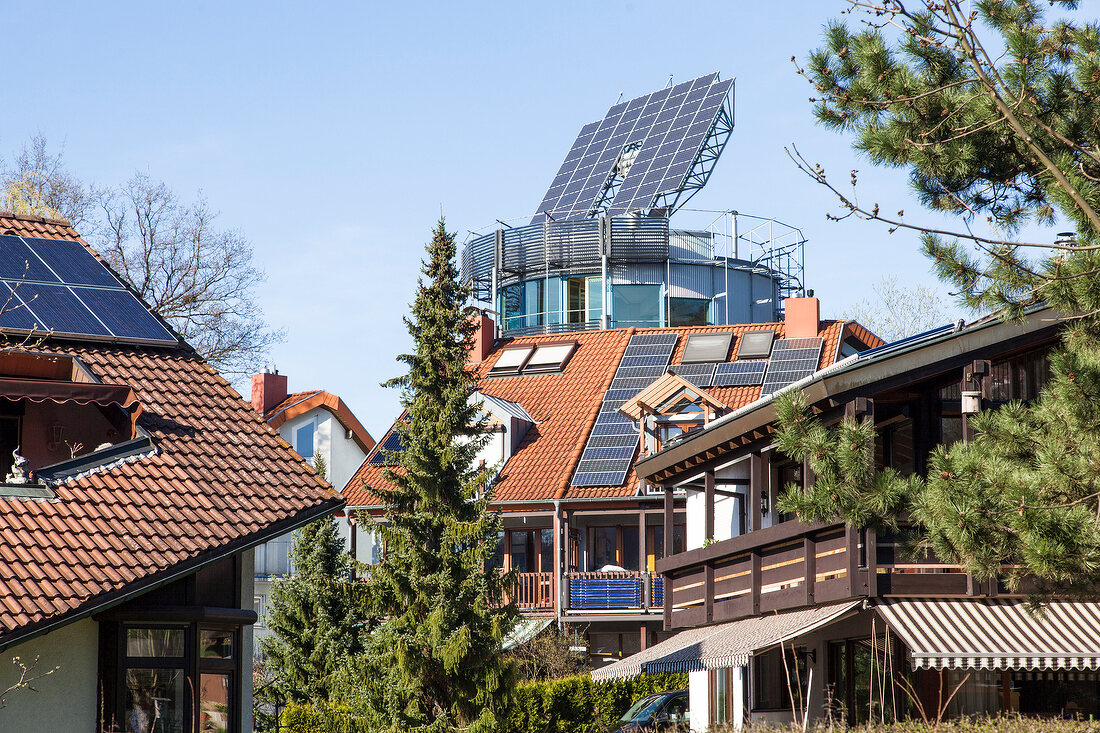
[[791, 360], [60, 287], [701, 375], [613, 439], [391, 444], [740, 373]]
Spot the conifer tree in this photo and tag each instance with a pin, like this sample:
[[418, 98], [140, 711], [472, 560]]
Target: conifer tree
[[992, 111], [315, 619], [434, 662]]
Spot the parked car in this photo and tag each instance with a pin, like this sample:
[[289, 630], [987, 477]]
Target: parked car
[[660, 711]]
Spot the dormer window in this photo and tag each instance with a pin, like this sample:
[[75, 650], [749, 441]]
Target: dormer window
[[668, 410], [55, 411]]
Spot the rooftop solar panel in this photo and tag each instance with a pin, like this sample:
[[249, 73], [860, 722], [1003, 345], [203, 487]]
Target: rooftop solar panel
[[60, 287], [613, 440], [391, 444], [18, 262], [791, 360], [740, 373], [701, 375], [123, 314], [667, 119], [72, 262]]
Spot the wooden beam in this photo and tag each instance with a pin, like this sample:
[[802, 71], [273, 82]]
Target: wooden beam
[[809, 551], [708, 493], [755, 580], [666, 551]]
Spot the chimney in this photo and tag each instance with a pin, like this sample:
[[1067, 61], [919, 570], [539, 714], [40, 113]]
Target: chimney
[[484, 338], [268, 390], [801, 316]]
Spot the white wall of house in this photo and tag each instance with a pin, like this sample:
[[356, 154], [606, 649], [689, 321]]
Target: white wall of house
[[727, 522], [65, 700], [699, 699]]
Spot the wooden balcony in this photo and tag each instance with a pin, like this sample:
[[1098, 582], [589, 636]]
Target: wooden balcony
[[792, 565], [534, 592]]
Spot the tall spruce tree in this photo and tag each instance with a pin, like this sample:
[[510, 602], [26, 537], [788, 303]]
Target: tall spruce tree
[[315, 617], [434, 663], [993, 112]]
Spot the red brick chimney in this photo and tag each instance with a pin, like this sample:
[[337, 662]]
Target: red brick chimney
[[268, 390], [484, 338], [801, 316]]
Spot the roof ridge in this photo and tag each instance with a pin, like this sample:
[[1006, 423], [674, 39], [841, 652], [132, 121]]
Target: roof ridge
[[34, 217]]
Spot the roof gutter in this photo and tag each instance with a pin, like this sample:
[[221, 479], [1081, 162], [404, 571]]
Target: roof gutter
[[122, 595], [844, 376]]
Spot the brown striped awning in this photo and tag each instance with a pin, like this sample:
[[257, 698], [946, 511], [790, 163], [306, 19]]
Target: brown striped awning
[[725, 645], [995, 634]]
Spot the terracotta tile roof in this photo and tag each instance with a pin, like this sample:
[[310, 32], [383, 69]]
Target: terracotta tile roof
[[221, 480], [566, 404], [300, 403]]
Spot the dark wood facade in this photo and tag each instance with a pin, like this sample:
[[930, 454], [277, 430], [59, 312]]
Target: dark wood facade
[[914, 395]]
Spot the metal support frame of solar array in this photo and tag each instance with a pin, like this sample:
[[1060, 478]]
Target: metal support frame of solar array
[[57, 286], [609, 453], [645, 153]]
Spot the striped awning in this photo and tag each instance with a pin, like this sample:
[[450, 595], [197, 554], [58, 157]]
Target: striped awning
[[995, 634], [725, 645]]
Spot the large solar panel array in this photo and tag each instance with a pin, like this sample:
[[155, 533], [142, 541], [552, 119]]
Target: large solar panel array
[[57, 286], [791, 360], [664, 131], [614, 438]]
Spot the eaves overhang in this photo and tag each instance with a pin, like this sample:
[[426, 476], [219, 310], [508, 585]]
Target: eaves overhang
[[111, 599], [890, 366]]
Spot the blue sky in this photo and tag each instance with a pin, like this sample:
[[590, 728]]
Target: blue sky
[[332, 134]]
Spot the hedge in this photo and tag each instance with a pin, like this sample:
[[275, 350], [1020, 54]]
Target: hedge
[[569, 705], [579, 705]]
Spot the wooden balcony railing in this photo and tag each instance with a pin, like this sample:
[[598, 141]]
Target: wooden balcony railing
[[534, 591], [794, 564]]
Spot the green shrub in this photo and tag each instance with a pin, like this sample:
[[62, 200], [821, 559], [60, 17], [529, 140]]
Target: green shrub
[[579, 705], [306, 718]]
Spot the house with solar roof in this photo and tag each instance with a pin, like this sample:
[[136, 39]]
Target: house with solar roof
[[569, 416], [844, 601], [135, 485], [622, 323]]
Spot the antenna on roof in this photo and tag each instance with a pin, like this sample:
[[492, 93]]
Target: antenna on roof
[[620, 98], [669, 81]]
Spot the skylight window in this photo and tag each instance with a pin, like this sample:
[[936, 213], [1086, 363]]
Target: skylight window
[[706, 347], [550, 357], [756, 345], [511, 361]]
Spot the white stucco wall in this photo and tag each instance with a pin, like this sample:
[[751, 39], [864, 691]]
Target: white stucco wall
[[699, 699], [342, 454], [726, 521], [66, 700]]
